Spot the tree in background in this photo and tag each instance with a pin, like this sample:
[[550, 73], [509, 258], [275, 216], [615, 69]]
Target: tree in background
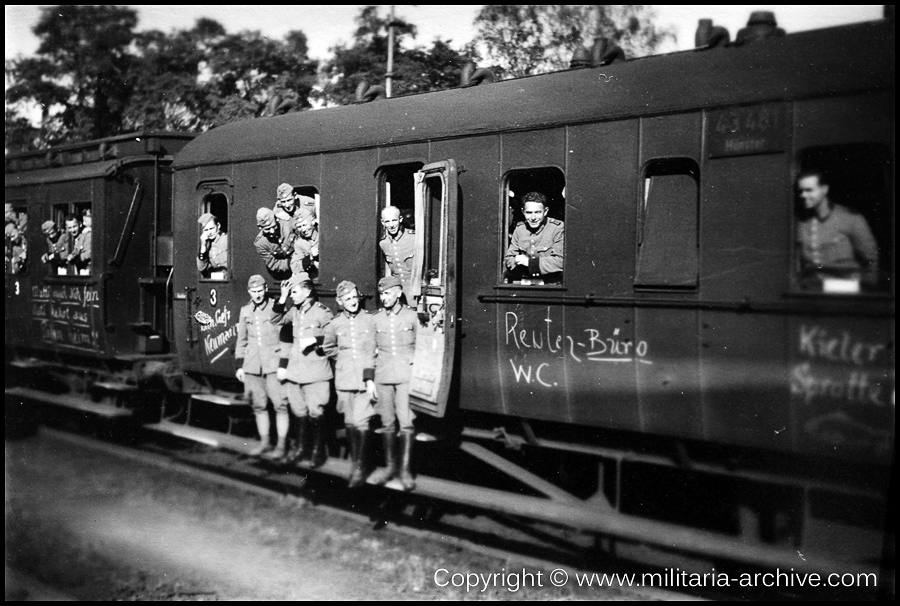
[[94, 77], [414, 71], [168, 92], [526, 39], [82, 64]]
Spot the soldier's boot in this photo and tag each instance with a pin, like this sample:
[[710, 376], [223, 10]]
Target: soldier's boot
[[282, 425], [362, 468], [390, 470], [300, 451], [352, 447], [319, 449], [407, 438], [262, 426], [279, 452]]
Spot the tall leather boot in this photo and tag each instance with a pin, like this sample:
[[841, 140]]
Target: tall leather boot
[[390, 470], [362, 468], [319, 453], [352, 447], [262, 426], [407, 438], [300, 451]]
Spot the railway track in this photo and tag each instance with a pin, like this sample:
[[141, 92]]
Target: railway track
[[534, 546]]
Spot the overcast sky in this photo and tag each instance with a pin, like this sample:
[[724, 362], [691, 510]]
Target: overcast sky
[[327, 26]]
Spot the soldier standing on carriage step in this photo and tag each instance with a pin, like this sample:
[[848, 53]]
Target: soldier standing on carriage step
[[304, 367], [256, 358], [350, 341], [395, 347]]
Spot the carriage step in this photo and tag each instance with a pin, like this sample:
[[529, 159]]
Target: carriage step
[[221, 399], [116, 386], [70, 401]]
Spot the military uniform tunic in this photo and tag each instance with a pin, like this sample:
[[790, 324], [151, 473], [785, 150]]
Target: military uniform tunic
[[59, 250], [306, 254], [257, 353], [395, 348], [395, 344], [400, 254], [308, 365], [309, 372], [544, 247], [274, 255], [81, 251], [350, 342], [217, 259]]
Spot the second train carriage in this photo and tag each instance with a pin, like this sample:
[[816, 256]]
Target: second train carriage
[[680, 342], [95, 327]]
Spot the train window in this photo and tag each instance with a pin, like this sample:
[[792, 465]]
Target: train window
[[16, 243], [534, 244], [212, 255], [305, 256], [397, 201], [80, 231], [844, 219], [667, 241]]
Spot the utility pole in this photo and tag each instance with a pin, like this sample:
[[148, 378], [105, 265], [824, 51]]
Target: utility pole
[[390, 58]]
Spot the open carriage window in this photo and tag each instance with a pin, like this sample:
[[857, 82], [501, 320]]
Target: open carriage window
[[397, 202], [534, 208], [212, 254], [844, 219], [16, 238], [68, 247]]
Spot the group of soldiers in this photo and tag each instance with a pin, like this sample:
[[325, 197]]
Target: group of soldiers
[[69, 251], [16, 244], [289, 351]]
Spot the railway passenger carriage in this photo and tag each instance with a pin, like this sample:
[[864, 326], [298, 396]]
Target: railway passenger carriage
[[92, 335], [681, 371]]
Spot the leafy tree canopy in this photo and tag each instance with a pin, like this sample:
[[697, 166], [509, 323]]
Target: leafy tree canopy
[[414, 71], [525, 39]]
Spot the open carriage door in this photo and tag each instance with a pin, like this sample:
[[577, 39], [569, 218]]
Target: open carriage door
[[434, 287]]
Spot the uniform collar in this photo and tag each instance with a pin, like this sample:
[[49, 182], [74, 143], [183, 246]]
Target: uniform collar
[[400, 233], [394, 310], [540, 227], [263, 305], [349, 315]]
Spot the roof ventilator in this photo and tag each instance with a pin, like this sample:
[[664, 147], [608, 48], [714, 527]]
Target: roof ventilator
[[710, 36], [472, 75], [366, 93], [601, 53], [760, 26]]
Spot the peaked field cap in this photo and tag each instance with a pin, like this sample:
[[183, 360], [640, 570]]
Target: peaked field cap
[[205, 218], [297, 278], [255, 281], [47, 226], [344, 288], [304, 213], [285, 191], [388, 282], [265, 217]]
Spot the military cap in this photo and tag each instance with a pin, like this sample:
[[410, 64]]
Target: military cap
[[303, 213], [255, 281], [345, 288], [265, 218], [297, 278], [205, 218], [285, 192], [388, 282], [48, 227]]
